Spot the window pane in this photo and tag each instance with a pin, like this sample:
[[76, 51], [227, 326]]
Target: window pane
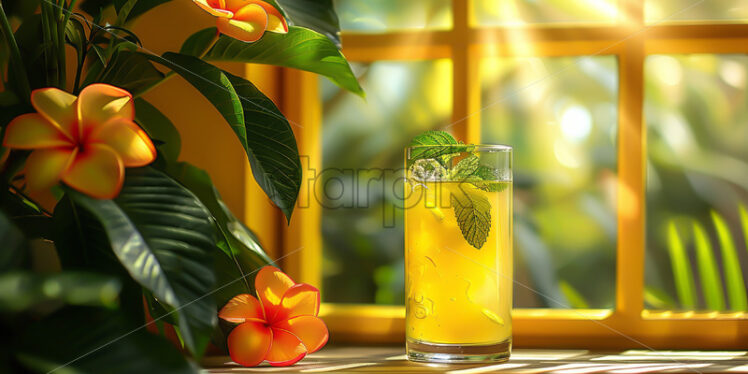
[[389, 15], [517, 12], [362, 230], [560, 115], [680, 10], [697, 181]]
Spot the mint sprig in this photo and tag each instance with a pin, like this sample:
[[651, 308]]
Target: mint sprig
[[441, 154], [473, 214]]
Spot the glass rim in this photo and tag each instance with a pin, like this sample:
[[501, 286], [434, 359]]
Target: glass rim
[[478, 147]]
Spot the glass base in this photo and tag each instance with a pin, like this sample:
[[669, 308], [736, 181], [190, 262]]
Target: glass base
[[458, 353]]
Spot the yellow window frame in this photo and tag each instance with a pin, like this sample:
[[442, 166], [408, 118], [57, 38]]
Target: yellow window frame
[[299, 246]]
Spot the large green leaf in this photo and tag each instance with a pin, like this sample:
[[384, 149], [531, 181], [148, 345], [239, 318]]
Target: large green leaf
[[241, 254], [239, 245], [735, 285], [131, 71], [711, 284], [163, 235], [20, 290], [300, 48], [681, 265], [318, 15], [94, 341], [161, 130], [262, 130]]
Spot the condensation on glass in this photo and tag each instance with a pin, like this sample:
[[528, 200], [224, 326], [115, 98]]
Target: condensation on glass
[[362, 143], [697, 182], [393, 15], [560, 115]]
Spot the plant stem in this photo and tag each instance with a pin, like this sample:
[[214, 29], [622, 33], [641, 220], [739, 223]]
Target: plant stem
[[62, 18], [171, 73], [48, 32], [15, 56]]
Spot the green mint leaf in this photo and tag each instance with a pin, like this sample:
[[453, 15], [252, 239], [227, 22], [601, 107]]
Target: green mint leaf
[[466, 168], [473, 213], [490, 186], [435, 138]]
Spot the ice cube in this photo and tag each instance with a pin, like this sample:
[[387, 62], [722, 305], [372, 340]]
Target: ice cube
[[428, 170]]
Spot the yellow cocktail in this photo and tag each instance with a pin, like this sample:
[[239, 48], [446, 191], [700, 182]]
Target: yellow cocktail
[[458, 264]]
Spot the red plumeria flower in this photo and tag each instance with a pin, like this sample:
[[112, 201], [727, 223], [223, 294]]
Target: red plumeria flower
[[85, 141], [245, 20], [282, 327]]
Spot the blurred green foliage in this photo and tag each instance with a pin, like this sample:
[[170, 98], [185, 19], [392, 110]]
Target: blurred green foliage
[[363, 246], [389, 15], [564, 143], [697, 178]]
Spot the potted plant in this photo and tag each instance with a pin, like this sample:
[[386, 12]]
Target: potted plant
[[90, 168]]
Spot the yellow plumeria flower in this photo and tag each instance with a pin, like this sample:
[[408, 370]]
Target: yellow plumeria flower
[[85, 141], [245, 20]]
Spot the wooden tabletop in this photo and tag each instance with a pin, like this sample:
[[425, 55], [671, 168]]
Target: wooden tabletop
[[392, 359]]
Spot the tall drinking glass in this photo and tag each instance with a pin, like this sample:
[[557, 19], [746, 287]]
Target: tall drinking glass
[[458, 253]]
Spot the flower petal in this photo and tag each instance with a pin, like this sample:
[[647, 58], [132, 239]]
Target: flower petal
[[29, 131], [242, 307], [45, 167], [248, 24], [129, 141], [249, 343], [58, 107], [276, 22], [311, 330], [300, 300], [98, 103], [286, 349], [271, 284], [213, 9], [96, 171]]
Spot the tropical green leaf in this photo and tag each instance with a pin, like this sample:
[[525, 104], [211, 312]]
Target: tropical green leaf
[[159, 128], [473, 213], [731, 265], [242, 253], [163, 235], [75, 35], [262, 130], [132, 8], [318, 15], [91, 341], [20, 290], [300, 48], [684, 283], [708, 270], [131, 71]]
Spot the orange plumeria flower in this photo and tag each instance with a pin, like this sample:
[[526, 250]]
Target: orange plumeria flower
[[245, 20], [85, 141], [282, 327]]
